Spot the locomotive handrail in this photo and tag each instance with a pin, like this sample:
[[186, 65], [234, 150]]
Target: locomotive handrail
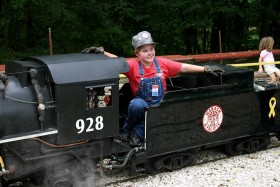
[[256, 73]]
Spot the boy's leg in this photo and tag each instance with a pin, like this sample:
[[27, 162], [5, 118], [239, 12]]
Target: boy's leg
[[135, 119]]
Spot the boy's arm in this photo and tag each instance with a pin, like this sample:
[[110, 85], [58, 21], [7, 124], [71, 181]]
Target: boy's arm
[[109, 54]]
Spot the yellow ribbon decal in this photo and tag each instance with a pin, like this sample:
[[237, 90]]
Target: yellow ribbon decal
[[272, 104]]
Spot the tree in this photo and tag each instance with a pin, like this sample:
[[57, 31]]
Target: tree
[[179, 27]]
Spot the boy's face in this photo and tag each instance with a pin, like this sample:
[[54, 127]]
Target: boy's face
[[146, 53]]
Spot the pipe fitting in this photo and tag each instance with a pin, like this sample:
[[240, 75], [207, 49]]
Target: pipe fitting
[[129, 154], [4, 78]]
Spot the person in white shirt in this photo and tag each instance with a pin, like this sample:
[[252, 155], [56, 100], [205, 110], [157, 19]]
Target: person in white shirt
[[266, 55]]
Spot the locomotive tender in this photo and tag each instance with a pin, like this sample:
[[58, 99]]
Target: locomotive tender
[[60, 116]]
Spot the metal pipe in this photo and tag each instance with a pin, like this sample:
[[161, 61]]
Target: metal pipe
[[254, 64], [129, 154], [40, 97]]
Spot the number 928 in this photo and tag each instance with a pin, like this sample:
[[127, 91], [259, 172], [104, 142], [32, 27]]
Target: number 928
[[89, 124]]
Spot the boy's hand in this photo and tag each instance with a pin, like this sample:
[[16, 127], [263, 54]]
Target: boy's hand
[[213, 70]]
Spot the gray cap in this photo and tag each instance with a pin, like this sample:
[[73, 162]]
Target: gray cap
[[142, 38]]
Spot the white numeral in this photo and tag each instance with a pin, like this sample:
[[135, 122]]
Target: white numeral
[[80, 124], [99, 123], [90, 128]]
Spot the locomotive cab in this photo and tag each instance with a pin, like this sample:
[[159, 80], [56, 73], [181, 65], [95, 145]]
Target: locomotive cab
[[85, 90]]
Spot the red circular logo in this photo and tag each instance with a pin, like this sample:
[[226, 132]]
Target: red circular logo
[[213, 118]]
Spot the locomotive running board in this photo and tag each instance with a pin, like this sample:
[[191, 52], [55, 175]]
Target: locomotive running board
[[27, 136]]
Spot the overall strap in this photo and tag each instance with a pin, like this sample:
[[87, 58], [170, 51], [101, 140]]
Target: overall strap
[[157, 66], [141, 70]]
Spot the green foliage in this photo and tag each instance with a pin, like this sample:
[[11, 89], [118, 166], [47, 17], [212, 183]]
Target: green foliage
[[178, 26]]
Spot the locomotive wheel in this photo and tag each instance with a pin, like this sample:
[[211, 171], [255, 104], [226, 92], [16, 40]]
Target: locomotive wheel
[[172, 161], [154, 165], [247, 145], [38, 179], [231, 148], [59, 179], [257, 143], [70, 174], [192, 157]]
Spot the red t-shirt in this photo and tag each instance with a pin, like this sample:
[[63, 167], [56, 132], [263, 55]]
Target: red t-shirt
[[168, 68]]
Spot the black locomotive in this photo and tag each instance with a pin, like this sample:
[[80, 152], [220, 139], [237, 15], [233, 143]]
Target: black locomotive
[[60, 116]]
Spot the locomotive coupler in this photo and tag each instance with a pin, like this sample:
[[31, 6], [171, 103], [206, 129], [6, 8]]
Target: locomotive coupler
[[119, 166]]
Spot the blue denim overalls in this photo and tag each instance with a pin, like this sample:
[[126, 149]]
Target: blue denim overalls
[[150, 92]]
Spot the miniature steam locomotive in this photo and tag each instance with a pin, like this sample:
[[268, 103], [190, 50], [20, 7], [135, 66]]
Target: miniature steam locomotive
[[60, 116]]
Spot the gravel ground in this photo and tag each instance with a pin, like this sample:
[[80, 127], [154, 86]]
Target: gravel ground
[[259, 169]]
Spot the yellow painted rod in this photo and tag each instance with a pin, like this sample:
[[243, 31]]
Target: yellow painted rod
[[122, 76], [254, 64]]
